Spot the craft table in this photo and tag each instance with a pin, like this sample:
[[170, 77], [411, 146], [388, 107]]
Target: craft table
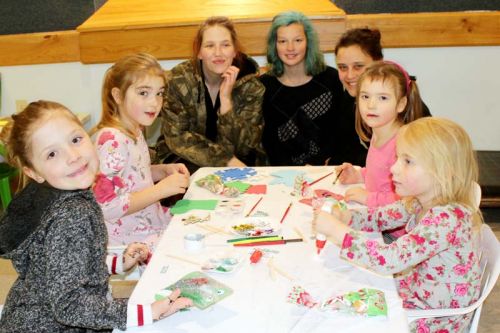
[[259, 301]]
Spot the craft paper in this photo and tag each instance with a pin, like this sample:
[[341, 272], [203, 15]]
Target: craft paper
[[286, 177], [185, 205], [236, 174], [257, 189], [240, 186]]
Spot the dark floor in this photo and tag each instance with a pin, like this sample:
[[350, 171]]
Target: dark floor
[[489, 172]]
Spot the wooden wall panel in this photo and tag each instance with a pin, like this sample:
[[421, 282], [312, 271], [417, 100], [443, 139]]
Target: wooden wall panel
[[433, 29], [39, 48]]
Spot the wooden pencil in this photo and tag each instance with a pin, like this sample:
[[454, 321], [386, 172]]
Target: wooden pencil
[[254, 206], [286, 212], [320, 179]]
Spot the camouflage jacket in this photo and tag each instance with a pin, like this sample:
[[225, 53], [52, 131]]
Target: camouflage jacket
[[184, 119]]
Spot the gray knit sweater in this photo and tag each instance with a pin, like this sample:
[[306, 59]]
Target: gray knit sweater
[[57, 243]]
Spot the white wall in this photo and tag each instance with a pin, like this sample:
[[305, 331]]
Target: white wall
[[460, 83]]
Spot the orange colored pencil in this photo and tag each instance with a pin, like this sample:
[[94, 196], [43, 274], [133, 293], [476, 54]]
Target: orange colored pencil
[[286, 212], [320, 179]]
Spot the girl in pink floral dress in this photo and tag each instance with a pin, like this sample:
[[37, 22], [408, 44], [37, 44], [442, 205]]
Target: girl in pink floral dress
[[128, 187], [436, 264]]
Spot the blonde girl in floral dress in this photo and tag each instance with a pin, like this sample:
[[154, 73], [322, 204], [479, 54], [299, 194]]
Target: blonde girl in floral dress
[[129, 188], [436, 264]]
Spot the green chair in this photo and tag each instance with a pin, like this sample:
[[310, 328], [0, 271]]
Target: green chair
[[6, 173]]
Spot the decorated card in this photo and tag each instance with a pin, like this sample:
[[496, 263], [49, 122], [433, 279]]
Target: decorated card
[[203, 290]]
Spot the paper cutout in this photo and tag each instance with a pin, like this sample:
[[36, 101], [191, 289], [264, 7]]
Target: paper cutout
[[203, 290], [365, 301], [192, 219], [230, 207], [286, 177], [214, 184], [257, 189], [322, 194], [240, 186], [301, 297], [236, 174], [185, 205]]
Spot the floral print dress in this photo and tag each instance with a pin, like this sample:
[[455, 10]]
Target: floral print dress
[[125, 167], [436, 264]]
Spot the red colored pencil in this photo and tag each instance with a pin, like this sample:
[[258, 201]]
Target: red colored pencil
[[320, 179], [254, 206], [286, 212]]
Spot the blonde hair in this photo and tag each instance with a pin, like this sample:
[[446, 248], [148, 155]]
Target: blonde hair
[[404, 87], [446, 152], [17, 134], [122, 75]]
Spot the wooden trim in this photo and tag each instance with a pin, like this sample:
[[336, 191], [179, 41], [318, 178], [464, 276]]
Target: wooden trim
[[39, 48], [432, 29], [176, 42], [169, 42]]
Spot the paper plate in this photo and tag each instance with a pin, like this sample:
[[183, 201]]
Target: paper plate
[[222, 263]]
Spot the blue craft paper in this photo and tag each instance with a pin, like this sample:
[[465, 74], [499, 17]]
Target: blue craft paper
[[228, 175], [286, 177]]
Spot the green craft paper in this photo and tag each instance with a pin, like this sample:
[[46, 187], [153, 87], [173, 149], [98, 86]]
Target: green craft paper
[[185, 205], [242, 187]]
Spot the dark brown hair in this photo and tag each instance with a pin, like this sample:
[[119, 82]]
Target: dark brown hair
[[367, 39]]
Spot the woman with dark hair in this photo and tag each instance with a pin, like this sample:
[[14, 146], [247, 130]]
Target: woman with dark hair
[[301, 97], [355, 51], [212, 112]]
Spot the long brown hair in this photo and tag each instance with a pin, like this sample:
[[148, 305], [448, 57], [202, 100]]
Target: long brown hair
[[122, 75], [212, 22]]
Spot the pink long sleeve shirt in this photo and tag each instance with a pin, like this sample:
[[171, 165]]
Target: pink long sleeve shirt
[[377, 174]]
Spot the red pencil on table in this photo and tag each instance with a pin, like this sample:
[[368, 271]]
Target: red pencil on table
[[286, 212], [254, 206], [320, 179]]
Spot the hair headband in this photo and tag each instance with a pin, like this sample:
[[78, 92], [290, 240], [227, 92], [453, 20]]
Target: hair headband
[[405, 74]]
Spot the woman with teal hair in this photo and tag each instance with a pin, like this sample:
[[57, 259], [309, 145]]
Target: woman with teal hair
[[302, 94]]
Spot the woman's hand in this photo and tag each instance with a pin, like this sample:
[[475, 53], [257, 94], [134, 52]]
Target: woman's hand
[[135, 253], [170, 305], [226, 88]]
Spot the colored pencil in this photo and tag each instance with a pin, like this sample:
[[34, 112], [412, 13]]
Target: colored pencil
[[320, 179], [254, 206], [275, 242], [234, 240], [268, 239], [286, 212], [337, 178]]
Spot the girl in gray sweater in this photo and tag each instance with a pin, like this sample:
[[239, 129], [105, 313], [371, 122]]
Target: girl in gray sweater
[[54, 234]]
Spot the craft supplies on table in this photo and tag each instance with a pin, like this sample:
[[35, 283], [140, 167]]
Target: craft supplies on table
[[263, 275]]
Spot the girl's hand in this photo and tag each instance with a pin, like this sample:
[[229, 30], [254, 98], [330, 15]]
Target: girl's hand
[[235, 163], [175, 167], [356, 194], [226, 88], [330, 226], [343, 215], [170, 305], [350, 174], [134, 254], [174, 184]]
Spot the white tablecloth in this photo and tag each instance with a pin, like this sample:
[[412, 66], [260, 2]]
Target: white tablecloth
[[259, 302]]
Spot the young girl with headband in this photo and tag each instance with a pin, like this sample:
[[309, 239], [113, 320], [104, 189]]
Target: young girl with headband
[[386, 100]]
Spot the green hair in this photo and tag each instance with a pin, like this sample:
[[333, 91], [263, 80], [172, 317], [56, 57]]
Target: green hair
[[314, 60]]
